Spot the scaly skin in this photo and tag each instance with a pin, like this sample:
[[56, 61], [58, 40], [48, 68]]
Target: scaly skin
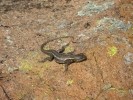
[[60, 57]]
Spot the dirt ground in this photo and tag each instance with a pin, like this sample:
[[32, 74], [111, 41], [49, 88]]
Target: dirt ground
[[103, 31]]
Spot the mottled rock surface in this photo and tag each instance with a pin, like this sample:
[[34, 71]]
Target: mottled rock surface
[[102, 29]]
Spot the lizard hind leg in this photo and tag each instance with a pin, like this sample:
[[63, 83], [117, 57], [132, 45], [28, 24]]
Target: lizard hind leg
[[50, 58], [67, 64], [66, 67]]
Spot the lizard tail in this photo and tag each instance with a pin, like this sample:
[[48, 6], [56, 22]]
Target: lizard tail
[[42, 46]]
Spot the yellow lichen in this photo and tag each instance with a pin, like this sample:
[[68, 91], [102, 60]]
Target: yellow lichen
[[120, 91], [69, 49], [69, 82], [25, 66], [112, 51]]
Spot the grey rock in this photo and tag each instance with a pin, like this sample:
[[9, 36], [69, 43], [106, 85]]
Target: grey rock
[[92, 8], [128, 58]]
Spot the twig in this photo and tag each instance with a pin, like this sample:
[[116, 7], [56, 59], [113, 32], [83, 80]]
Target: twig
[[7, 96], [98, 68]]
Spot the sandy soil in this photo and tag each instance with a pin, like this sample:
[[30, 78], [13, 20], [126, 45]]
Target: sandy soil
[[103, 31]]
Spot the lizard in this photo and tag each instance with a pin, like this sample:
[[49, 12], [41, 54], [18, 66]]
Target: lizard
[[60, 57]]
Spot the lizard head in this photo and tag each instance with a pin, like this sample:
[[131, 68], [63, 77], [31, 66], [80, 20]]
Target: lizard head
[[80, 57]]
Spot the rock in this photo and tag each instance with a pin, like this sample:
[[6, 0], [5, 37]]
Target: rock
[[128, 58]]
